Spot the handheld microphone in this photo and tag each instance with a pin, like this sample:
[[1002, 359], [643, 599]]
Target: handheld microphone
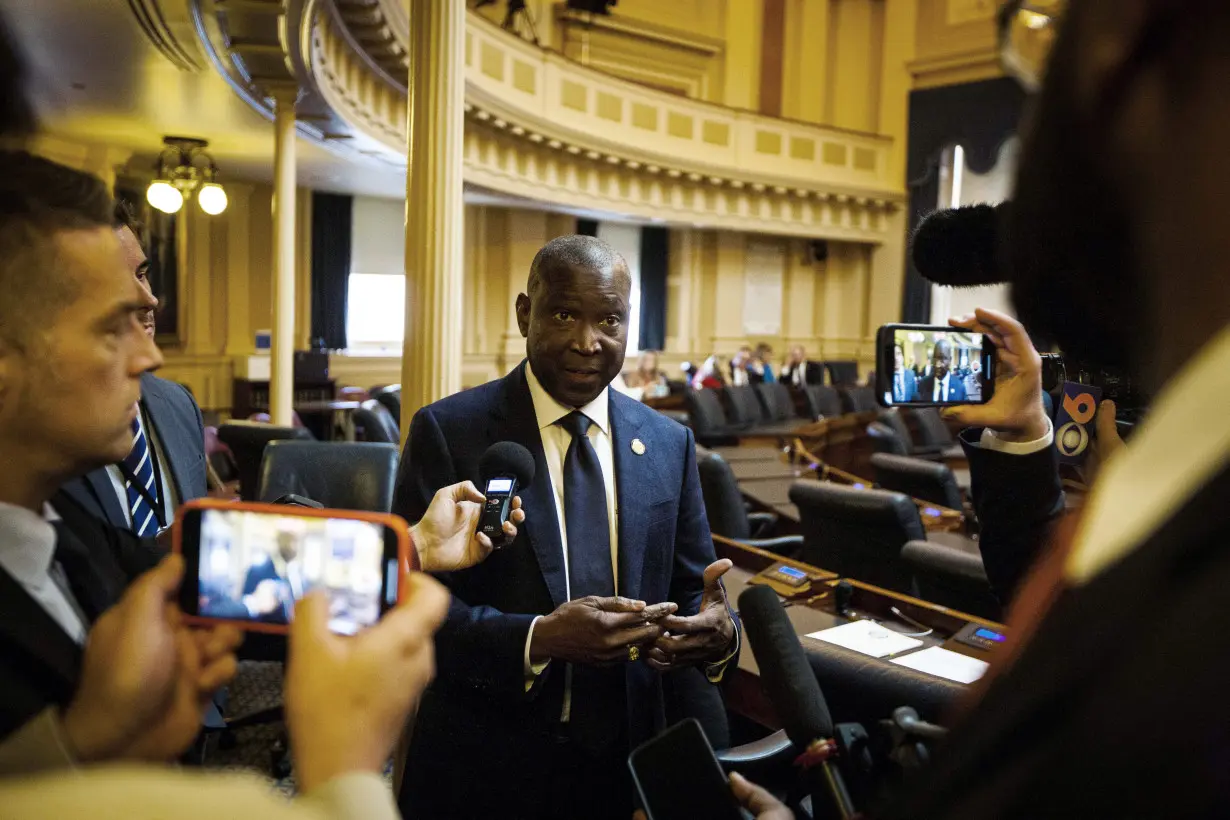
[[959, 247], [504, 468], [792, 687]]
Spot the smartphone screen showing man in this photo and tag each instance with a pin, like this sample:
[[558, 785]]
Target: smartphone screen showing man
[[254, 566], [932, 366]]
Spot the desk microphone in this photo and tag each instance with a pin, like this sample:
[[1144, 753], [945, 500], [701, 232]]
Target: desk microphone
[[504, 469], [794, 691], [843, 592]]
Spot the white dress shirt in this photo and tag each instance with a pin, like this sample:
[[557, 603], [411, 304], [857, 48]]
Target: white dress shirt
[[27, 550], [166, 492], [555, 443], [1182, 443]]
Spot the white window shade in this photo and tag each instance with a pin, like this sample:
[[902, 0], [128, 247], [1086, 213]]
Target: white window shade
[[378, 236], [376, 310]]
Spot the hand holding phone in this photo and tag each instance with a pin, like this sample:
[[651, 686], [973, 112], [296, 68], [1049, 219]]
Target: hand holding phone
[[1015, 411], [926, 366], [250, 563]]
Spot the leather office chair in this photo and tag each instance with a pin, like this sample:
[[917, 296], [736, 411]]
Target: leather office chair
[[727, 513], [344, 475], [747, 411], [389, 395], [858, 533], [708, 418], [934, 435], [842, 372], [926, 480], [822, 401], [951, 577], [885, 440], [893, 420], [377, 422], [776, 402], [857, 399], [246, 441]]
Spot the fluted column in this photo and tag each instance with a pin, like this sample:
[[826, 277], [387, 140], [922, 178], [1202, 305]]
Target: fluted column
[[282, 366], [431, 360]]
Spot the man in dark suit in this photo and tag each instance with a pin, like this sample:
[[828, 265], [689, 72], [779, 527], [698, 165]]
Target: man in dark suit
[[799, 372], [1109, 699], [550, 660], [942, 385], [166, 464], [72, 352], [905, 385]]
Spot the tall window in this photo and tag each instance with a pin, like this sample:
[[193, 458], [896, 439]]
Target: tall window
[[376, 311]]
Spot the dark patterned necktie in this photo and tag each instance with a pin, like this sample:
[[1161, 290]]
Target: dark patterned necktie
[[139, 469]]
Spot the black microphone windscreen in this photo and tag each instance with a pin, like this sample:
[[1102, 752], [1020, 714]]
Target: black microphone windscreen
[[784, 671], [507, 458], [959, 247]]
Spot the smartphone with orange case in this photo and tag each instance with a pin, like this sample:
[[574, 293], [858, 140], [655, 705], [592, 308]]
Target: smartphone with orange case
[[247, 563]]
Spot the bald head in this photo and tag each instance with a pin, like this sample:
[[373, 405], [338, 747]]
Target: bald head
[[574, 317], [579, 253]]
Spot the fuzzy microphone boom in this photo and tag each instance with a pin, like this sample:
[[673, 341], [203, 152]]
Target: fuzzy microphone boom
[[959, 247]]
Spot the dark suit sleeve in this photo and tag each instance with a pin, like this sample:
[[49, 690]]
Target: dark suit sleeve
[[1018, 498], [694, 552], [478, 647]]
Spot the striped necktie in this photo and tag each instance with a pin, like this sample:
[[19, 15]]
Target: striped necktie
[[139, 469]]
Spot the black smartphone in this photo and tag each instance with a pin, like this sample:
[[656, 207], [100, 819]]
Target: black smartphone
[[499, 492], [249, 563], [933, 366], [679, 778]]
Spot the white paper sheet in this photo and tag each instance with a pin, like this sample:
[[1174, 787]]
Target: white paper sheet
[[867, 637], [942, 663]]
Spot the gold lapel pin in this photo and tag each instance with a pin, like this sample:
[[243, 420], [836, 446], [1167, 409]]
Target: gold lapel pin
[[638, 446]]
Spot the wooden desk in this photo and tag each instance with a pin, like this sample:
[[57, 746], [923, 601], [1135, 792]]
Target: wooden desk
[[744, 694], [734, 454], [750, 471]]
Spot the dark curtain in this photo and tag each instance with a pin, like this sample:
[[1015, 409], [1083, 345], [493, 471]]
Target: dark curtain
[[655, 254], [979, 117], [587, 227], [331, 227]]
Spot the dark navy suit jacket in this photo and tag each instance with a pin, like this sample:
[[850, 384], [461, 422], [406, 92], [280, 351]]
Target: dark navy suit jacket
[[177, 423], [477, 709], [956, 388]]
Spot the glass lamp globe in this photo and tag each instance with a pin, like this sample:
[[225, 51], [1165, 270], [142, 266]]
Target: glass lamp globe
[[164, 196], [212, 198]]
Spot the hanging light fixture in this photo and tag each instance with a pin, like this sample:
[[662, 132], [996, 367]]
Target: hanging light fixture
[[184, 166]]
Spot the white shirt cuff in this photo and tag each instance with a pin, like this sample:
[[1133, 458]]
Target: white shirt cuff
[[991, 441], [532, 670]]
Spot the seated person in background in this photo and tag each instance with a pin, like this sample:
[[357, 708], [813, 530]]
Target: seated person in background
[[709, 374], [648, 377], [760, 364], [740, 368], [799, 372], [905, 386], [942, 384], [166, 464]]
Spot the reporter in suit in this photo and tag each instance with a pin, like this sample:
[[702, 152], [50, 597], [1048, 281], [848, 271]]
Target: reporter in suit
[[905, 385], [166, 463], [346, 701], [1110, 699], [550, 658], [942, 384]]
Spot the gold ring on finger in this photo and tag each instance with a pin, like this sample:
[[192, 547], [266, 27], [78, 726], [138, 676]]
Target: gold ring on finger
[[634, 653]]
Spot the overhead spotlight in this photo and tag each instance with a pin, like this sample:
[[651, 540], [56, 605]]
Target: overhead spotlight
[[184, 166], [164, 196]]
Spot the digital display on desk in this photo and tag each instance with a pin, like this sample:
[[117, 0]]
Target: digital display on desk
[[989, 635], [791, 572]]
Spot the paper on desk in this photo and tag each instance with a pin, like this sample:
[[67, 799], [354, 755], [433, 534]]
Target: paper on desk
[[942, 663], [867, 637]]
